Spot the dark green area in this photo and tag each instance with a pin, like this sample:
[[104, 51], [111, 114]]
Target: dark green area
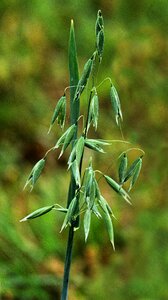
[[33, 74]]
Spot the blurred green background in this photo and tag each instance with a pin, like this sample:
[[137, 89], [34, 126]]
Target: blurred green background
[[33, 74]]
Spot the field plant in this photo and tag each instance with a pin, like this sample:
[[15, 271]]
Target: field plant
[[84, 196]]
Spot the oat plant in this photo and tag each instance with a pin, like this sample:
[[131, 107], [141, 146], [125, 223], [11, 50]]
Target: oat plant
[[85, 198]]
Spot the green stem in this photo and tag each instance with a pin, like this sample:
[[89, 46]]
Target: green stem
[[75, 224], [67, 265], [74, 115]]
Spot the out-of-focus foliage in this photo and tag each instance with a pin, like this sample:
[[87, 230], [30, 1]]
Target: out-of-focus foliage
[[33, 74]]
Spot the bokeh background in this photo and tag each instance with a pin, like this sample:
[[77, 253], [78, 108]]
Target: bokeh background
[[33, 74]]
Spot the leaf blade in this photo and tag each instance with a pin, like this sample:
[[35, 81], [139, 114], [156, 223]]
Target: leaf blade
[[73, 74]]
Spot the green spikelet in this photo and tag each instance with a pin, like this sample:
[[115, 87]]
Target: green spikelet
[[115, 101], [122, 168]]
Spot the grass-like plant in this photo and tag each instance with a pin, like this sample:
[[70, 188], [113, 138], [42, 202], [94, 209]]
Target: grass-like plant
[[84, 196]]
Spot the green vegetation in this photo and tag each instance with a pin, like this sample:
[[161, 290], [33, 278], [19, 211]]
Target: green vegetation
[[84, 195], [33, 74]]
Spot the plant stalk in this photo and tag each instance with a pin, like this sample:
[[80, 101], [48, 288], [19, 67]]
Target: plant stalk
[[64, 294], [74, 115]]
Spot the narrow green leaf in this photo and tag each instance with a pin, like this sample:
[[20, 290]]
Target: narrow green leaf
[[87, 222], [37, 213], [136, 173], [74, 106], [122, 168], [74, 76], [116, 104]]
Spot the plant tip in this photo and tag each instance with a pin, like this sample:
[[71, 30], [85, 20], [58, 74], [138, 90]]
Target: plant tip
[[49, 129], [23, 220], [113, 245]]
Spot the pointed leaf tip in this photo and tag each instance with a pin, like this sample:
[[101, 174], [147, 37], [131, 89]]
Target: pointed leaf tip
[[23, 220], [113, 245]]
